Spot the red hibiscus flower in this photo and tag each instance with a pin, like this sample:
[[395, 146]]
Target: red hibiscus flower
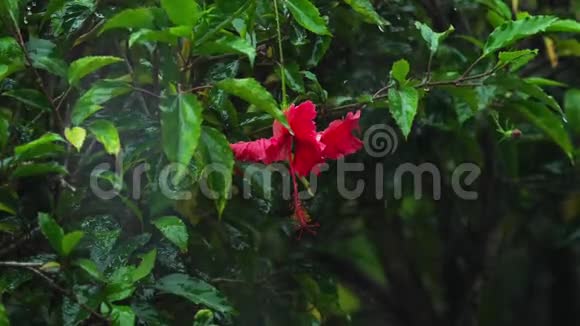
[[310, 147]]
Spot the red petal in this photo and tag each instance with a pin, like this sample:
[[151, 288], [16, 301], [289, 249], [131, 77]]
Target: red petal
[[338, 139], [262, 150], [307, 155]]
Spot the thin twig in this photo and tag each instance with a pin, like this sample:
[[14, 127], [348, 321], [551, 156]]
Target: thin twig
[[68, 293], [19, 264]]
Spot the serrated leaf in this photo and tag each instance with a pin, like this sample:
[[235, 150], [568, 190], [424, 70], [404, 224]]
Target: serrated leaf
[[182, 12], [194, 290], [229, 44], [366, 10], [517, 59], [512, 31], [181, 118], [51, 230], [403, 106], [400, 70], [106, 133], [130, 18], [70, 241], [29, 97], [432, 38], [252, 92], [307, 15], [76, 136], [565, 25], [217, 155], [87, 65], [548, 122], [146, 266], [173, 228]]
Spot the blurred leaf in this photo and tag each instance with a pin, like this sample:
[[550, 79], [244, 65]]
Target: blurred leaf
[[76, 136], [182, 12], [4, 321], [146, 266], [130, 18], [37, 147], [403, 106], [432, 38], [41, 53], [251, 91], [546, 121], [217, 155], [366, 10], [498, 7], [29, 97], [70, 241], [10, 9], [52, 231], [544, 82], [194, 290], [512, 31], [565, 25], [87, 65], [181, 119], [106, 133], [203, 317], [400, 70], [122, 316], [572, 109], [229, 44], [517, 59], [4, 132], [101, 92], [37, 169], [293, 77], [89, 267], [50, 267], [308, 16], [174, 230]]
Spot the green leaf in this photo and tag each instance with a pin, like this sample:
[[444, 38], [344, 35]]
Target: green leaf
[[146, 266], [293, 76], [106, 133], [147, 35], [512, 31], [572, 107], [10, 9], [29, 97], [229, 44], [4, 321], [432, 38], [540, 81], [403, 106], [182, 12], [4, 132], [400, 70], [36, 169], [203, 317], [366, 10], [70, 241], [519, 85], [181, 118], [76, 136], [130, 18], [194, 290], [217, 155], [122, 316], [89, 267], [174, 230], [42, 54], [37, 147], [307, 15], [565, 25], [252, 92], [101, 92], [52, 231], [517, 59], [499, 8], [84, 66], [548, 122]]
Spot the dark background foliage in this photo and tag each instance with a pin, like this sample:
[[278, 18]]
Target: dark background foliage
[[159, 82]]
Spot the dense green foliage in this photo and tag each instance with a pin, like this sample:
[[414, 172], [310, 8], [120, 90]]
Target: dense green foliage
[[107, 94]]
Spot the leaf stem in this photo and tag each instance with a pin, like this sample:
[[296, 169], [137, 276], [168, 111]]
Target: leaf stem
[[281, 54]]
